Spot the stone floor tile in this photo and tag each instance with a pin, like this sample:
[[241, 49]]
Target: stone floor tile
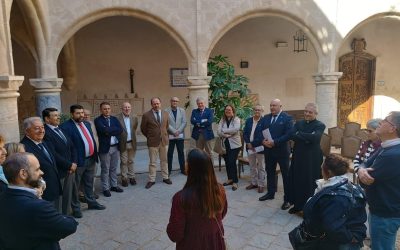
[[261, 240]]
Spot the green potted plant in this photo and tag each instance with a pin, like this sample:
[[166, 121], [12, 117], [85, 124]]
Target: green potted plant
[[228, 88]]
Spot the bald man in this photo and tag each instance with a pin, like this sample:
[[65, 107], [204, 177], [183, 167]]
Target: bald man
[[277, 149]]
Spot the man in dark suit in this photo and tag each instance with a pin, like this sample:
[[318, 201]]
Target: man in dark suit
[[28, 222], [109, 132], [65, 154], [44, 152], [127, 144], [277, 149], [202, 119], [154, 126], [81, 136]]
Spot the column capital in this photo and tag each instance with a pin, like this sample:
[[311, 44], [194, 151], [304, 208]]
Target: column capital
[[46, 85], [9, 86], [199, 82], [327, 77]]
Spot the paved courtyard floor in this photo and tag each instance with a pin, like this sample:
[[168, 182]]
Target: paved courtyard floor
[[137, 218]]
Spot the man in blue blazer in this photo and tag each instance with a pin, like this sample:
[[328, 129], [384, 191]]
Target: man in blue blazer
[[65, 154], [81, 135], [109, 131], [277, 150], [44, 152], [202, 119], [28, 222]]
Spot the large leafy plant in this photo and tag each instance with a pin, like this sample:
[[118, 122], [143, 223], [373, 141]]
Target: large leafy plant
[[227, 88]]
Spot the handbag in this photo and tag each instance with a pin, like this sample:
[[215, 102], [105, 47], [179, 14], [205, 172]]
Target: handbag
[[219, 146], [301, 240], [222, 235]]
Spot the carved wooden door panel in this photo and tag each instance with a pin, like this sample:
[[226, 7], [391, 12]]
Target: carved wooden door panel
[[356, 88]]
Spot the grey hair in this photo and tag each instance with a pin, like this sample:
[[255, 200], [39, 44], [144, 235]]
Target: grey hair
[[259, 105], [14, 163], [199, 99], [312, 105], [396, 121], [374, 123], [30, 120]]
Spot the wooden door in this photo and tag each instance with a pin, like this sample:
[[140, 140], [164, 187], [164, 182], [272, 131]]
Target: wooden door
[[355, 96]]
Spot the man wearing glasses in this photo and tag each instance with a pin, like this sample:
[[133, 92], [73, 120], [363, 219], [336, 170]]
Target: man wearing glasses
[[381, 177]]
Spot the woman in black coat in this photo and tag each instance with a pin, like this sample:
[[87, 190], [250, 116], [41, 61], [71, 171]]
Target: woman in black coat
[[335, 216]]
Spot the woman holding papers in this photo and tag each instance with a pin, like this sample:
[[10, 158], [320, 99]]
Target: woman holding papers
[[305, 168], [253, 137], [228, 130]]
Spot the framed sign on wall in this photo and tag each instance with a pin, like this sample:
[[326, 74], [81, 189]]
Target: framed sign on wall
[[179, 77]]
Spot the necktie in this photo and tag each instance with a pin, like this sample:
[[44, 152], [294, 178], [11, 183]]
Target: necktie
[[88, 138], [58, 131], [108, 121], [158, 117], [44, 150], [273, 119]]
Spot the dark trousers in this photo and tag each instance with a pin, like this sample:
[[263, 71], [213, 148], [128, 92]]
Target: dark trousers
[[85, 175], [181, 156], [230, 159], [68, 182], [271, 160]]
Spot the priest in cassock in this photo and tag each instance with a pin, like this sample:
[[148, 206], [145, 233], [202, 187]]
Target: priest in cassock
[[307, 158]]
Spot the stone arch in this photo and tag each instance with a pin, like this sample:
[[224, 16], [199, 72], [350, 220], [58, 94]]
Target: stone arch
[[395, 15], [95, 16], [268, 12]]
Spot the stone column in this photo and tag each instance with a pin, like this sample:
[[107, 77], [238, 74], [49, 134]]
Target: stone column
[[199, 86], [327, 97], [47, 93], [9, 126]]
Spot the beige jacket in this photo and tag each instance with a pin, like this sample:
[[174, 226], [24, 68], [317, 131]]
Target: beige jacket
[[232, 133]]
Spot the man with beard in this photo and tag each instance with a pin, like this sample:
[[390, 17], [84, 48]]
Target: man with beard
[[28, 222], [81, 136]]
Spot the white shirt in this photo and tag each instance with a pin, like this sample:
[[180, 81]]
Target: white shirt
[[127, 122], [30, 190], [87, 153], [390, 143]]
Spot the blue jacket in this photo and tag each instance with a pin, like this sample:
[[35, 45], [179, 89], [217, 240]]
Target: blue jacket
[[258, 136], [31, 223], [65, 153], [202, 123], [105, 131], [280, 132], [72, 131], [339, 212], [51, 176], [384, 194]]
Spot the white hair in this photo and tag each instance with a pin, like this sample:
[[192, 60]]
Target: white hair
[[30, 120]]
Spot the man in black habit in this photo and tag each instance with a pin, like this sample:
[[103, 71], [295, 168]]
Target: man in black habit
[[307, 158]]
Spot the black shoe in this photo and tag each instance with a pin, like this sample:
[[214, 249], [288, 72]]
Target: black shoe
[[168, 181], [294, 210], [227, 183], [149, 184], [96, 196], [268, 196], [77, 214], [107, 193], [97, 206], [285, 205], [116, 189]]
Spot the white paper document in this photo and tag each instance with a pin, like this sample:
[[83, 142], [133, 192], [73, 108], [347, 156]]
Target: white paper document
[[267, 134], [257, 150], [171, 137]]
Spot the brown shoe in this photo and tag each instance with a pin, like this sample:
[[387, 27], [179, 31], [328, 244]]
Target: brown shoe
[[234, 186], [261, 190], [149, 184], [168, 181], [124, 182], [251, 186], [132, 181]]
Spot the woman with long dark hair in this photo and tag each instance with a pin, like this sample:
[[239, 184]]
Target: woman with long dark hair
[[198, 209]]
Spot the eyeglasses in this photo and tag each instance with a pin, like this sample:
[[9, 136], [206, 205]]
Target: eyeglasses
[[257, 110], [391, 123]]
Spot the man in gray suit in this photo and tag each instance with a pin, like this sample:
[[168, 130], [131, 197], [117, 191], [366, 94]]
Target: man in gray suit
[[176, 132], [129, 124]]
